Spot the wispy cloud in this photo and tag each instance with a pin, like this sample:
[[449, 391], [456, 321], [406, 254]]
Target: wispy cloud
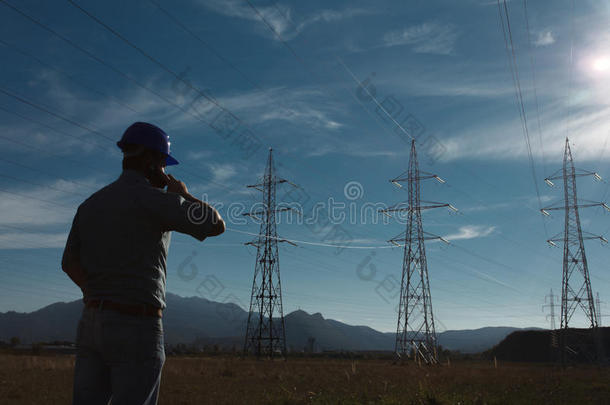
[[32, 240], [429, 37], [280, 17], [52, 204], [241, 9], [305, 106], [222, 172], [356, 151], [471, 232], [544, 38], [200, 154], [502, 138]]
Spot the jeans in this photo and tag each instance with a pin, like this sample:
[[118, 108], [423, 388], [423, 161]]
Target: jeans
[[119, 358]]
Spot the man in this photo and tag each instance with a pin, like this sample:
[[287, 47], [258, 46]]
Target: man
[[116, 253]]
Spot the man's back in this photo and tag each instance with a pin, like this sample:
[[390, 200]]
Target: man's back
[[124, 242], [122, 234]]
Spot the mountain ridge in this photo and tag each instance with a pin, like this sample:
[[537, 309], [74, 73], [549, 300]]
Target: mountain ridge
[[194, 319]]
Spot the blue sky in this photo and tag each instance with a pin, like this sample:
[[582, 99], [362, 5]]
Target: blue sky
[[442, 63]]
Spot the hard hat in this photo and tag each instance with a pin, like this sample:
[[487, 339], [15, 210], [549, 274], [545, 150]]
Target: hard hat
[[149, 136]]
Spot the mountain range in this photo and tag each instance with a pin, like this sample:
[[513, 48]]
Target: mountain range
[[197, 320]]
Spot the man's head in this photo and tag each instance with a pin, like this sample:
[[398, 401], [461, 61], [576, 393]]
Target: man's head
[[146, 149]]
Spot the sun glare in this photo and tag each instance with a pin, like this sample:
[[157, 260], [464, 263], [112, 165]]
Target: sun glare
[[601, 64]]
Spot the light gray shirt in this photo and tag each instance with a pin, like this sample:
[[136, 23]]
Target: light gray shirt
[[122, 234]]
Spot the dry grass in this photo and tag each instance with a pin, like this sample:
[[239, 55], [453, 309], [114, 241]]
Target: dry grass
[[223, 380]]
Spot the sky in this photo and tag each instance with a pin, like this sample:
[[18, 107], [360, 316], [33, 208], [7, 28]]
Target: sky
[[336, 89]]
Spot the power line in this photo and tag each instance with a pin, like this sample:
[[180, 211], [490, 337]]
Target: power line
[[103, 62], [12, 178], [533, 70], [189, 31], [46, 151], [48, 111], [519, 96], [36, 198], [122, 74], [151, 58], [45, 172], [313, 243], [68, 76]]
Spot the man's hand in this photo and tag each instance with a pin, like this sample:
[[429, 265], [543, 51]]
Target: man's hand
[[176, 186]]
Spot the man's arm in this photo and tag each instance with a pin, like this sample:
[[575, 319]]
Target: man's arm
[[70, 262], [218, 224]]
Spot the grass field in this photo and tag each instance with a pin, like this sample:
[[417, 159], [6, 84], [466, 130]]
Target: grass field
[[224, 380]]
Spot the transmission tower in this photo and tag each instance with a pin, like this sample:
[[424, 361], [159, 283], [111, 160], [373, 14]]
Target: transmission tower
[[265, 332], [415, 332], [552, 304], [598, 306], [576, 290]]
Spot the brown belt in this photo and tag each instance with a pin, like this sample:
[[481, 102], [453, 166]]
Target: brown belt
[[126, 309]]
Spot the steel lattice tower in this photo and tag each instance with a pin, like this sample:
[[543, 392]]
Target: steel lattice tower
[[551, 305], [576, 290], [265, 332], [415, 332]]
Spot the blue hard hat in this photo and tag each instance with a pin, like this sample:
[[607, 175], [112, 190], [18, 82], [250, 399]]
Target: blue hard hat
[[149, 136]]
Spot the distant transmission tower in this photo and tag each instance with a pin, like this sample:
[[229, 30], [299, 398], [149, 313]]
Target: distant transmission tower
[[265, 333], [576, 290], [554, 338], [415, 332], [551, 305], [598, 306]]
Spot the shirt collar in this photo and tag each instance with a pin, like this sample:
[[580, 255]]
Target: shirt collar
[[133, 176]]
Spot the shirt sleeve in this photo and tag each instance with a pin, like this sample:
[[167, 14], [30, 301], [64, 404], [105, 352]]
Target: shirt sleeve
[[177, 214]]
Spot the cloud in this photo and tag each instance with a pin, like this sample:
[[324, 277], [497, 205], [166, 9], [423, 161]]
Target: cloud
[[222, 172], [304, 106], [32, 240], [279, 17], [279, 21], [544, 38], [196, 155], [53, 203], [329, 16], [471, 232], [429, 37], [502, 137], [352, 150]]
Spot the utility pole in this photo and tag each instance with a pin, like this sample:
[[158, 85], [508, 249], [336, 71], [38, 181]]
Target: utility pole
[[265, 332], [415, 332], [576, 290]]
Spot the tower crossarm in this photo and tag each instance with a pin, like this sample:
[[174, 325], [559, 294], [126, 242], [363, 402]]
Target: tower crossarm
[[586, 204], [404, 178], [260, 186], [404, 207], [261, 241], [577, 173], [256, 214], [585, 236], [400, 240]]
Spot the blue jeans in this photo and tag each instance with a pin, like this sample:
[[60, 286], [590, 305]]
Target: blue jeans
[[119, 357]]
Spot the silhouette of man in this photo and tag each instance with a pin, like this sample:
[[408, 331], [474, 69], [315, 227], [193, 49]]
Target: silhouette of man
[[117, 254]]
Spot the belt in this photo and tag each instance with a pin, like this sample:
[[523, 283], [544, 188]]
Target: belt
[[126, 309]]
